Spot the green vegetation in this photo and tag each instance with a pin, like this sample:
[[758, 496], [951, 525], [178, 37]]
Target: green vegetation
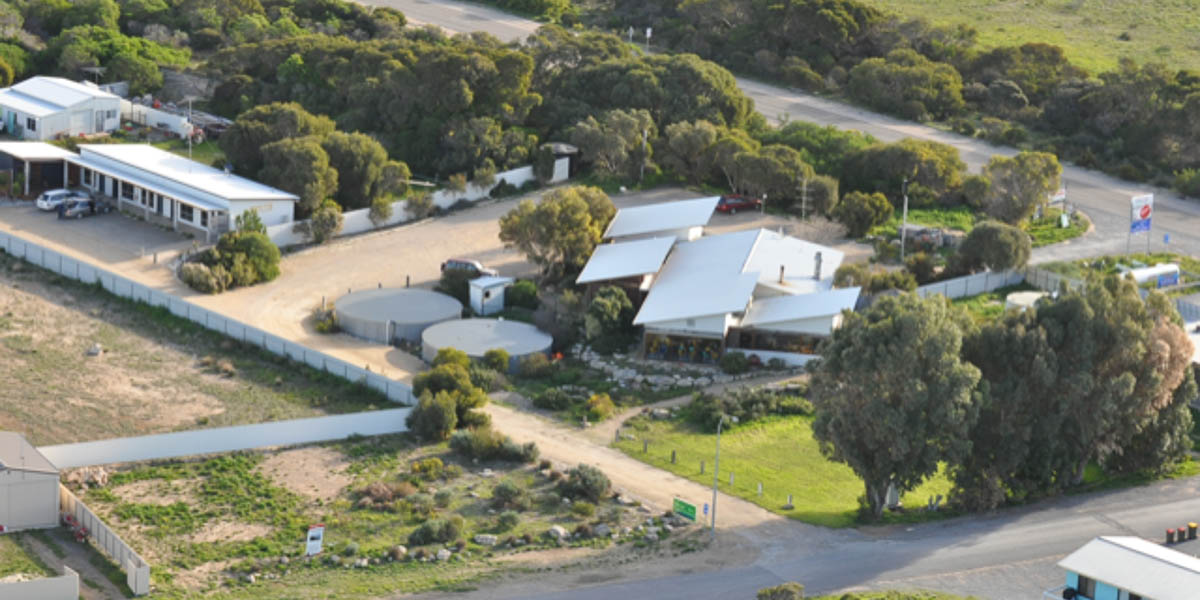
[[961, 218], [1111, 265], [987, 306], [1048, 230], [15, 558], [781, 453], [1094, 34], [207, 152]]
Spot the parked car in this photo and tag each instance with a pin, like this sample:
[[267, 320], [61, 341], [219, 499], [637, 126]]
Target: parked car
[[462, 264], [80, 208], [731, 203], [51, 199]]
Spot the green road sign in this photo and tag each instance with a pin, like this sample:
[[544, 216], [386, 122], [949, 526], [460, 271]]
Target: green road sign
[[683, 509]]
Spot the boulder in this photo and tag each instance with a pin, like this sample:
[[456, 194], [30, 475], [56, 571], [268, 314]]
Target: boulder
[[95, 350], [485, 539], [557, 532], [443, 554], [660, 414], [602, 530], [651, 537]]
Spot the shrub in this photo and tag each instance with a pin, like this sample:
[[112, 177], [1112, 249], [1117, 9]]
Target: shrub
[[523, 293], [496, 359], [434, 417], [455, 283], [421, 504], [552, 399], [474, 419], [507, 494], [487, 379], [508, 519], [608, 322], [200, 278], [437, 531], [583, 508], [443, 378], [599, 407], [586, 481], [442, 498], [993, 245], [452, 356], [787, 591], [859, 212], [326, 320], [735, 363], [381, 210], [484, 443], [429, 468], [351, 549], [324, 223], [921, 265], [583, 530], [534, 366], [746, 403]]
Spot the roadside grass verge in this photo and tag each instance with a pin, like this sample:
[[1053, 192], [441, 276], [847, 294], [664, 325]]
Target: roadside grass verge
[[958, 217], [1048, 230], [782, 454]]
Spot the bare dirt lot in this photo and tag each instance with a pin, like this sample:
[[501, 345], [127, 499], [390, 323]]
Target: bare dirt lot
[[154, 373]]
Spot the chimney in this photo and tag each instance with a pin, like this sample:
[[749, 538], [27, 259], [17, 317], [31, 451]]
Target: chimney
[[817, 271], [780, 273]]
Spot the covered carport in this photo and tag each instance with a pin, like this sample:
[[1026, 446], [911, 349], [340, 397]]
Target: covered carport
[[44, 160]]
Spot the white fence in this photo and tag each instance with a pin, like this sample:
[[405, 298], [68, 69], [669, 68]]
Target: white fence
[[69, 267], [971, 285], [63, 587], [158, 119], [137, 571], [358, 221], [226, 439]]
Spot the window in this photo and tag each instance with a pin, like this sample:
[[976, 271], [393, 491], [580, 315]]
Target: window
[[1086, 588], [204, 218], [185, 212], [31, 124], [1133, 596], [126, 190], [110, 114], [87, 177]]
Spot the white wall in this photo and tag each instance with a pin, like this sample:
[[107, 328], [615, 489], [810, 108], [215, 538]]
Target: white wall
[[63, 587], [158, 119], [492, 304], [28, 500], [358, 221], [713, 326], [814, 326], [272, 212]]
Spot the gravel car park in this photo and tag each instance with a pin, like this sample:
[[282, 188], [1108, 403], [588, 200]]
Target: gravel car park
[[52, 199]]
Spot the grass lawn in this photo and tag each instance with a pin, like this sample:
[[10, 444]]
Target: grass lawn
[[958, 217], [207, 152], [1091, 32], [1108, 265], [204, 525], [157, 372], [1048, 230], [14, 558], [782, 454], [987, 306]]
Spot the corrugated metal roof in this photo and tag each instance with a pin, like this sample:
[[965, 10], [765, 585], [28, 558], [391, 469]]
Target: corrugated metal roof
[[488, 281], [29, 105], [18, 454], [34, 151], [798, 259], [1138, 566], [197, 176], [781, 309], [665, 216], [184, 194], [59, 92], [626, 259]]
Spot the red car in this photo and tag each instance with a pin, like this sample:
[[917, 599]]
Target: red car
[[731, 203]]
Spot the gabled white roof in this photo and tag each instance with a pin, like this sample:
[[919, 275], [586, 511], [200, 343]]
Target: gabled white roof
[[34, 151], [665, 216], [199, 177], [626, 259], [490, 281], [718, 274], [18, 454], [1137, 566], [781, 309], [40, 96]]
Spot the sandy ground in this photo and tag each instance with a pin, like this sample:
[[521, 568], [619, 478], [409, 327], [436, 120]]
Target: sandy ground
[[315, 472], [78, 557]]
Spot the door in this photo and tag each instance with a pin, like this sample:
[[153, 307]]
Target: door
[[79, 123]]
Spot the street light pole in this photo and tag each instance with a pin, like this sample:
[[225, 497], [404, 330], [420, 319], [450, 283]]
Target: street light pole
[[904, 220], [716, 471]]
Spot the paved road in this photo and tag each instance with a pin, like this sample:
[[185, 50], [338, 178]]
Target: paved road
[[1103, 198]]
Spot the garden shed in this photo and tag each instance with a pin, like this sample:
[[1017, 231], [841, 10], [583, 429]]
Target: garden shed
[[487, 294], [28, 486]]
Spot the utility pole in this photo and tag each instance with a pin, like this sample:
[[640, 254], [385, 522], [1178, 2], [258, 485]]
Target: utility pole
[[804, 199], [192, 132], [904, 220], [642, 171], [716, 470]]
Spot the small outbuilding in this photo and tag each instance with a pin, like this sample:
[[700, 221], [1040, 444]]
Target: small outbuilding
[[44, 108], [28, 486], [487, 294]]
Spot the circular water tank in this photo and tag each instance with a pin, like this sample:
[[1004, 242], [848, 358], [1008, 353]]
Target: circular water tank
[[387, 314], [477, 336], [1023, 300]]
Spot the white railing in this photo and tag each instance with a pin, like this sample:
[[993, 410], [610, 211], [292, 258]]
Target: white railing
[[137, 570]]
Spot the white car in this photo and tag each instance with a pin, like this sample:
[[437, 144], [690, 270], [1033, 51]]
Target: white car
[[51, 199]]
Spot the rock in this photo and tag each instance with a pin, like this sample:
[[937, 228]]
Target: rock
[[251, 578], [653, 531], [473, 495], [625, 500], [95, 350], [443, 554], [375, 561], [651, 537], [362, 563], [487, 473], [667, 527], [703, 381], [626, 531], [399, 552], [485, 539], [602, 530], [566, 500], [283, 560], [660, 414], [557, 532]]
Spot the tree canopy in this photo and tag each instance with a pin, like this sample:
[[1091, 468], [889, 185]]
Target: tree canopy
[[559, 232]]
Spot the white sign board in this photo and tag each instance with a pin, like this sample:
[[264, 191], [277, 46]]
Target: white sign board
[[316, 535], [1142, 210]]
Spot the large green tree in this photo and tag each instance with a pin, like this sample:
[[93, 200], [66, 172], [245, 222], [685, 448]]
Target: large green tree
[[299, 165], [559, 232], [619, 143], [686, 149], [359, 161], [934, 171], [859, 212], [1020, 184], [995, 246], [891, 394], [244, 143]]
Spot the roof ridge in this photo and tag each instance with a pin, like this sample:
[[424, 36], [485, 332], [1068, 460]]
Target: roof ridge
[[1113, 540]]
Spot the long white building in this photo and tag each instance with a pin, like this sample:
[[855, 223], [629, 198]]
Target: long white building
[[45, 108]]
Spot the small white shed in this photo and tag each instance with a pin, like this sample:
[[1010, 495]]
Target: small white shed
[[28, 486], [487, 294]]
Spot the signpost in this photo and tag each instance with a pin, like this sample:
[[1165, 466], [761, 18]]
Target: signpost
[[684, 509], [1140, 216]]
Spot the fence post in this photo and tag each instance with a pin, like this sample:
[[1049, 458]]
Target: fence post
[[645, 446], [672, 457], [701, 467]]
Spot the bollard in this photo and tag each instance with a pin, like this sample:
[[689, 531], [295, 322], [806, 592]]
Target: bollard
[[1192, 530], [701, 467], [645, 446], [790, 500], [156, 258], [617, 435], [380, 286], [672, 457], [760, 489], [1170, 536], [731, 478], [407, 279]]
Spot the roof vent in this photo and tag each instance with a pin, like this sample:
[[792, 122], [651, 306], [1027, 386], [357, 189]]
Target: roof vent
[[780, 273], [817, 270]]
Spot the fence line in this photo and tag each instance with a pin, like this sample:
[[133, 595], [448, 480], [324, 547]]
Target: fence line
[[71, 268], [226, 439], [137, 571], [971, 285], [62, 587]]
